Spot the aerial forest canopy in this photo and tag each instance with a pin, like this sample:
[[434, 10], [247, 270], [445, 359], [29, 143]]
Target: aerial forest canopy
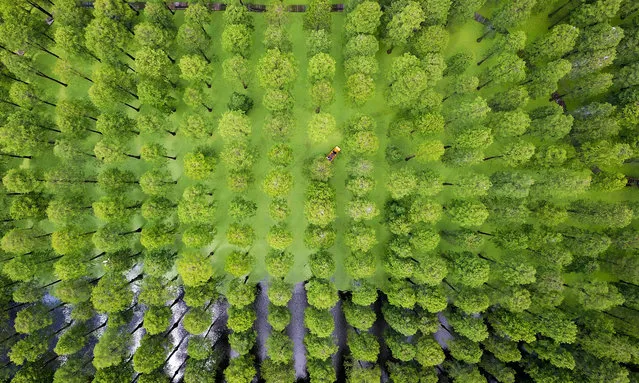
[[394, 191]]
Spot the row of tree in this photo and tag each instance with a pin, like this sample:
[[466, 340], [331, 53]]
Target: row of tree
[[277, 77], [235, 128], [320, 204]]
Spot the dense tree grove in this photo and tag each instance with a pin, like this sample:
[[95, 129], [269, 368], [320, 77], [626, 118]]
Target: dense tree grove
[[399, 191]]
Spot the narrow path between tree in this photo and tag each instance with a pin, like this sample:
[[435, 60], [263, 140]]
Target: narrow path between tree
[[262, 328], [378, 329], [296, 329], [173, 365], [441, 335], [340, 337]]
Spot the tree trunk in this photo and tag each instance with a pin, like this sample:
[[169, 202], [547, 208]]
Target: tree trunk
[[138, 230], [96, 58], [138, 277], [11, 103], [62, 328], [10, 284], [178, 299], [210, 327], [131, 106], [628, 283], [51, 78], [129, 30], [48, 103], [8, 50], [617, 317], [39, 8], [177, 347], [484, 59], [50, 2], [410, 157], [485, 258], [10, 337], [50, 129], [139, 326], [629, 308], [133, 94], [204, 30], [562, 18], [484, 84], [14, 78], [208, 61], [482, 37], [14, 307], [211, 302], [49, 260], [491, 158], [83, 76], [551, 14], [94, 131], [57, 307], [47, 51], [137, 13], [175, 325], [449, 285], [446, 329], [177, 371], [14, 156], [52, 283], [97, 328]]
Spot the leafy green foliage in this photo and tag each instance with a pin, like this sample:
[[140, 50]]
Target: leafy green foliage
[[485, 188]]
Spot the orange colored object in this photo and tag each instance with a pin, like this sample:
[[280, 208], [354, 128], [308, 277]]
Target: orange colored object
[[333, 153]]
